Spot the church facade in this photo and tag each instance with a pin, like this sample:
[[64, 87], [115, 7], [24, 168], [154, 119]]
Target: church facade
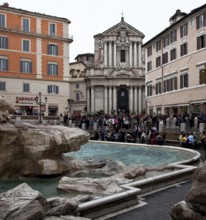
[[116, 81]]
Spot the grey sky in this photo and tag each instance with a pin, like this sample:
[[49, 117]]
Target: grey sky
[[90, 17]]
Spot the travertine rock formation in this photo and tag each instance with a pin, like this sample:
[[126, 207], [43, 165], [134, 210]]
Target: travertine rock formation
[[27, 149], [195, 205], [23, 203], [37, 150]]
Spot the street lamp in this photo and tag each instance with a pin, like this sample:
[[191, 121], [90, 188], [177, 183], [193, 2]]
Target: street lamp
[[39, 102]]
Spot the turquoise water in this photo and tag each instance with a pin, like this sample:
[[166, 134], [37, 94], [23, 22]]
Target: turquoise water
[[130, 154], [127, 154]]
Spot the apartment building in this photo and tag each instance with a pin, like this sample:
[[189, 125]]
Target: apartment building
[[78, 96], [34, 61], [176, 65]]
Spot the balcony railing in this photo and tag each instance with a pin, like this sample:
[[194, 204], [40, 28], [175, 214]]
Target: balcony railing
[[36, 31]]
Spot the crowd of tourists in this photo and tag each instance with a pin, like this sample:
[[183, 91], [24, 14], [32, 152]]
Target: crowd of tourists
[[135, 128]]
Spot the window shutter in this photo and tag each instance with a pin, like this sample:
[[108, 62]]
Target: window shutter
[[48, 49], [181, 81], [30, 67], [198, 43], [7, 65], [6, 43], [21, 66], [204, 76], [175, 83], [186, 80], [57, 89], [48, 89], [57, 70], [197, 23], [48, 68], [57, 51]]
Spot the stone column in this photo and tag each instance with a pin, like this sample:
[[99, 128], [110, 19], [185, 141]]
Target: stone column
[[140, 99], [110, 53], [92, 99], [130, 54], [88, 100], [135, 54], [114, 99], [139, 55], [105, 100], [135, 99], [110, 99], [105, 53], [115, 54], [131, 99]]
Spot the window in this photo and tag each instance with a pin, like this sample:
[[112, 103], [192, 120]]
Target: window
[[52, 29], [158, 61], [122, 58], [202, 75], [158, 88], [200, 42], [2, 21], [183, 80], [173, 54], [77, 96], [149, 51], [149, 90], [200, 21], [25, 25], [173, 36], [26, 45], [166, 41], [149, 66], [183, 30], [170, 84], [52, 49], [158, 45], [53, 69], [53, 89], [77, 86], [165, 58], [2, 86], [183, 49], [26, 87], [26, 66], [3, 64], [3, 42]]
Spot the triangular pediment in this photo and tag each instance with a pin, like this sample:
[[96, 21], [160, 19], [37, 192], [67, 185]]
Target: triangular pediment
[[115, 30]]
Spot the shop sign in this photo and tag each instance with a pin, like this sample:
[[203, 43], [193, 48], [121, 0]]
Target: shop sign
[[23, 99]]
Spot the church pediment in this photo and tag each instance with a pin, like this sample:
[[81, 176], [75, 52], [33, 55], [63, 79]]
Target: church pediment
[[123, 26]]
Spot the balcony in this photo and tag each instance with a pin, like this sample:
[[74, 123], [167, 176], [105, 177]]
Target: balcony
[[14, 28]]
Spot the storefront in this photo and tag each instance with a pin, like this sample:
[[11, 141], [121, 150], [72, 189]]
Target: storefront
[[28, 106], [52, 109]]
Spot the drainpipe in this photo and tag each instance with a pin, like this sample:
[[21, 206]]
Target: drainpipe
[[162, 69]]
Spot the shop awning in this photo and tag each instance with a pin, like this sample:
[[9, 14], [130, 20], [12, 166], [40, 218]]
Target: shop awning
[[26, 104], [53, 107]]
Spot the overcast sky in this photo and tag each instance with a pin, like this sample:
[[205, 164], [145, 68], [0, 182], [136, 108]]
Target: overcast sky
[[91, 17]]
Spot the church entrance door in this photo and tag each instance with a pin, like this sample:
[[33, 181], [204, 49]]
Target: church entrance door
[[123, 101]]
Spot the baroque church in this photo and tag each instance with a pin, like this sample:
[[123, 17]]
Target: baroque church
[[116, 81]]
